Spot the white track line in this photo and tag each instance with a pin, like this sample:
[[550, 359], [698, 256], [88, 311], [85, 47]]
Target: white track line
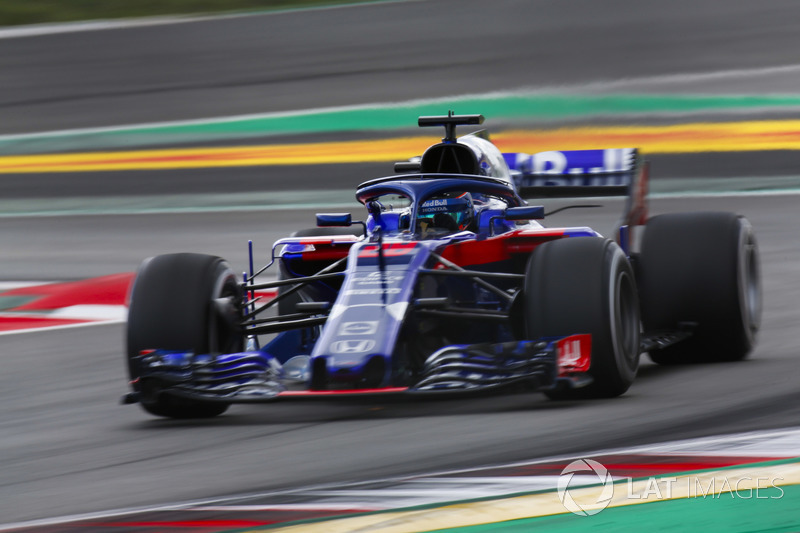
[[57, 328], [692, 77], [9, 285], [36, 30], [574, 89]]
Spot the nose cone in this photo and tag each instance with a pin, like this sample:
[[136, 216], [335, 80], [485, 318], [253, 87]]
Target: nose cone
[[359, 338]]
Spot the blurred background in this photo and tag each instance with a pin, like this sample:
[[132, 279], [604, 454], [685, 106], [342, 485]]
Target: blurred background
[[17, 12], [694, 85], [123, 138]]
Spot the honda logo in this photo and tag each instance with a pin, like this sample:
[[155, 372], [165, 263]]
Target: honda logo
[[352, 346]]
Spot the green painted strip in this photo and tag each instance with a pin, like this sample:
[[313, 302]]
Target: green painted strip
[[776, 510], [507, 107], [495, 107]]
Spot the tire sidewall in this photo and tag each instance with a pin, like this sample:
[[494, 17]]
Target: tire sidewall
[[171, 306], [749, 283], [583, 285], [623, 317]]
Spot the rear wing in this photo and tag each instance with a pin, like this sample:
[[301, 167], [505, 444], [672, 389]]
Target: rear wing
[[586, 173], [573, 173]]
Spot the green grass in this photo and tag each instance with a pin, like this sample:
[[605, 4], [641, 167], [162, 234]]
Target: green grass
[[15, 12]]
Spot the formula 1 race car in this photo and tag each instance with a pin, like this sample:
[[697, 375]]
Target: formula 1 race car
[[450, 284]]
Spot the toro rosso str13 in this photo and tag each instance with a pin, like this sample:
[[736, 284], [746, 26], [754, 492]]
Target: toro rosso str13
[[450, 283]]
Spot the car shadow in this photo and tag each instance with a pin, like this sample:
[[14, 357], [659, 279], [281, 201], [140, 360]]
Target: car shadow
[[329, 410], [333, 409]]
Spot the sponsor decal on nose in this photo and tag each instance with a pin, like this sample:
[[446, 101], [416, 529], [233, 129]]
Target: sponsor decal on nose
[[352, 346], [359, 328]]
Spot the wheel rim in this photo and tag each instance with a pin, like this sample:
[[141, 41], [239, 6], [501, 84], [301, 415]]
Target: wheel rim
[[222, 338], [626, 339], [749, 283]]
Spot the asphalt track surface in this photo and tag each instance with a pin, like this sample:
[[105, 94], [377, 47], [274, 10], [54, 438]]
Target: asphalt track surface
[[67, 447]]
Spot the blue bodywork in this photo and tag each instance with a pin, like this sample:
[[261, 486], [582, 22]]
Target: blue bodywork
[[405, 307]]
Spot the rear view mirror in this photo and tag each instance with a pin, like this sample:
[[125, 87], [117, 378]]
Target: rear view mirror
[[325, 220], [528, 212]]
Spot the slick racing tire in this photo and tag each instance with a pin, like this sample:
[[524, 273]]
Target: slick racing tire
[[586, 285], [701, 270], [182, 302]]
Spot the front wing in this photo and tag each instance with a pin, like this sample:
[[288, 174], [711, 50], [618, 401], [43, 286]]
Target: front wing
[[258, 376]]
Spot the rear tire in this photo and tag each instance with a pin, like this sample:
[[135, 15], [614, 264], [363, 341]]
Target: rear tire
[[172, 308], [701, 268], [586, 285]]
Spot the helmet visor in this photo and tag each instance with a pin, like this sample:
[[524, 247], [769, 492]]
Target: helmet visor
[[459, 209]]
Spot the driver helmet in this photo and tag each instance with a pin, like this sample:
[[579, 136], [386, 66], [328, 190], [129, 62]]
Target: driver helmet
[[449, 211]]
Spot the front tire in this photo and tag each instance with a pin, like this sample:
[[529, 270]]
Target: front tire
[[701, 269], [175, 305], [586, 285]]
